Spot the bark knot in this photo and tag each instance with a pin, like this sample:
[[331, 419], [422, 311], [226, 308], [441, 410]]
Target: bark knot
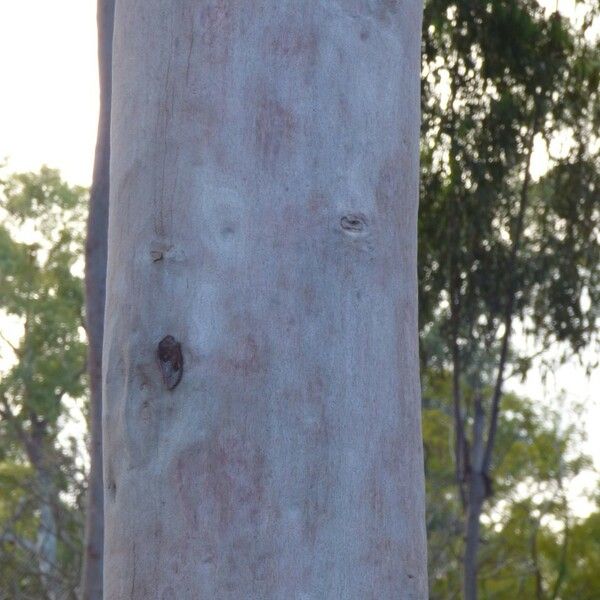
[[170, 361], [353, 223]]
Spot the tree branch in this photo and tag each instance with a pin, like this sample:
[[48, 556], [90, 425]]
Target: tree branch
[[510, 304]]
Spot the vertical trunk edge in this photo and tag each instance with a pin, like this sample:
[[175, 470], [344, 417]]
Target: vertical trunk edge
[[95, 283]]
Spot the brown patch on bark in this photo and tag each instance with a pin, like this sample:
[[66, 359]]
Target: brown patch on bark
[[216, 27], [319, 433], [396, 215], [294, 42], [383, 10], [283, 282], [388, 187], [219, 482], [317, 203], [245, 358], [375, 497], [275, 127], [393, 450], [387, 9], [309, 296], [344, 106], [317, 436]]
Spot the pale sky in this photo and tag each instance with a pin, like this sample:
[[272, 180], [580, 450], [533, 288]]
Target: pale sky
[[48, 113], [49, 85]]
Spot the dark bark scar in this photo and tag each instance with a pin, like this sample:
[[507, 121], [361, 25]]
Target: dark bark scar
[[353, 223], [170, 361]]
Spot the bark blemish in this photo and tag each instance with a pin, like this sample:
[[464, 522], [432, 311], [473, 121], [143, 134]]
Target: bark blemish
[[353, 223], [292, 42], [216, 28], [219, 481], [246, 357], [170, 361], [382, 10], [317, 203], [309, 295], [159, 250], [227, 230], [391, 187], [274, 128], [110, 483], [388, 9], [112, 489]]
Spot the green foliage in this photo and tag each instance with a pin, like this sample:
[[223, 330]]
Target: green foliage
[[496, 77], [497, 247], [41, 296], [532, 542], [581, 568], [563, 244]]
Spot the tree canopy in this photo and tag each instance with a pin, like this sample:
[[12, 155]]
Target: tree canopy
[[504, 83], [41, 469]]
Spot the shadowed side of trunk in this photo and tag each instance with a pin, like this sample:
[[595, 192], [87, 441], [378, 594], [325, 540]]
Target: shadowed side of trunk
[[95, 282]]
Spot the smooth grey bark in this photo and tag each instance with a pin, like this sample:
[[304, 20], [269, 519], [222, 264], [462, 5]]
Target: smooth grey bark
[[95, 282], [263, 213]]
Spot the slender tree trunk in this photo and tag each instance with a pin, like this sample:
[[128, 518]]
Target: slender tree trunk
[[47, 537], [476, 496], [262, 404], [95, 281], [46, 496], [473, 526]]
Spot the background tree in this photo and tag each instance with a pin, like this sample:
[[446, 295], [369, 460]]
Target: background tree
[[528, 523], [497, 248], [262, 414], [41, 483], [581, 564], [95, 284]]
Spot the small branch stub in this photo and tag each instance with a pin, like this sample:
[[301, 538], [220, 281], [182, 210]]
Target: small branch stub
[[170, 361]]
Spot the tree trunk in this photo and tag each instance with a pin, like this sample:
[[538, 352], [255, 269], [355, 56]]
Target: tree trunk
[[262, 403], [476, 496], [38, 448], [95, 281], [47, 536]]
